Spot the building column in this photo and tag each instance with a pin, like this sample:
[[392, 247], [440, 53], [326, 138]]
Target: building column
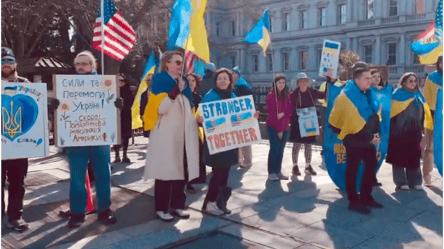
[[355, 44], [401, 55], [348, 11], [378, 50]]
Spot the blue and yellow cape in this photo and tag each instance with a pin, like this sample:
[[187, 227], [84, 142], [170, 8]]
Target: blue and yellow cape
[[401, 99], [432, 84]]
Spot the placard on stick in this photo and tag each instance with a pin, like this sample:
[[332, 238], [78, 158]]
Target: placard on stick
[[330, 59], [24, 120], [230, 124], [87, 114]]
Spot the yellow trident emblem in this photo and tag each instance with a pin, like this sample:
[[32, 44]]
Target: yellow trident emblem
[[12, 122]]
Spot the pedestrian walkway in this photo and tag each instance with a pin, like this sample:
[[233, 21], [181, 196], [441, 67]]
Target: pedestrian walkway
[[303, 212]]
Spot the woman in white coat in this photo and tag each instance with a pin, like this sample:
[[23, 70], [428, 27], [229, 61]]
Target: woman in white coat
[[173, 150]]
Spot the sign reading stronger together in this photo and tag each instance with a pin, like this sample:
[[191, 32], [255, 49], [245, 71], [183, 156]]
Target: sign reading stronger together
[[86, 115], [230, 124]]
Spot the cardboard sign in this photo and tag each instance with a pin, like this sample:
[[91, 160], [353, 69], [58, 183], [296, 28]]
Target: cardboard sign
[[308, 121], [330, 59], [86, 115], [24, 120], [230, 124]]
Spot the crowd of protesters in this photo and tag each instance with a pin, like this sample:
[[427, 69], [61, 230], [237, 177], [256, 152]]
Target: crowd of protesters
[[177, 152]]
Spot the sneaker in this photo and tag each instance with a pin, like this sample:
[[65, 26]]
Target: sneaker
[[372, 204], [282, 177], [245, 166], [273, 177], [117, 160], [296, 171], [309, 170], [126, 160], [164, 216], [404, 187], [75, 220], [181, 213], [213, 209], [418, 187], [18, 225], [107, 217], [358, 207]]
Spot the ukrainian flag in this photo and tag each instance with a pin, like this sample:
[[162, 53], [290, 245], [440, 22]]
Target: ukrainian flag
[[143, 86], [402, 99], [260, 33], [432, 84], [187, 28], [331, 48]]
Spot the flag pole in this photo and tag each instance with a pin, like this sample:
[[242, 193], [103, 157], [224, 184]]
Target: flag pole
[[274, 77], [102, 13]]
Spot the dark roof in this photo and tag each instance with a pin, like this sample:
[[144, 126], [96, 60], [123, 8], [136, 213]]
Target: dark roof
[[34, 64]]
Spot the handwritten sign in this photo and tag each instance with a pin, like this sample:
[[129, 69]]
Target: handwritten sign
[[86, 115], [230, 124], [24, 120], [308, 121], [330, 59]]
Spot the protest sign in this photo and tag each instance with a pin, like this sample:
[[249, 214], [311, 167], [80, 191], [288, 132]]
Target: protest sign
[[438, 133], [230, 124], [334, 149], [330, 59], [24, 120], [308, 121], [86, 115]]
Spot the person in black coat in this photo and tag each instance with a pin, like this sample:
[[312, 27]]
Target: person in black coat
[[125, 119]]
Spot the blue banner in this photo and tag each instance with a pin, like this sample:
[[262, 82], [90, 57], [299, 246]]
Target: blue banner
[[437, 136], [334, 150]]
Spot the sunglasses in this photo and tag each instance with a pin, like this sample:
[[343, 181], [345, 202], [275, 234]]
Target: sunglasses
[[177, 62], [9, 61]]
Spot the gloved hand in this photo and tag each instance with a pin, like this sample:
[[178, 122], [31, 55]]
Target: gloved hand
[[53, 104], [119, 102], [174, 92]]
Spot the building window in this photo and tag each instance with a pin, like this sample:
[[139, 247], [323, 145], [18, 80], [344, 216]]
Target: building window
[[270, 23], [369, 9], [285, 61], [416, 60], [303, 57], [391, 60], [255, 63], [304, 19], [368, 53], [217, 28], [319, 55], [393, 8], [233, 61], [286, 20], [270, 62], [419, 6], [233, 28], [322, 17], [342, 13]]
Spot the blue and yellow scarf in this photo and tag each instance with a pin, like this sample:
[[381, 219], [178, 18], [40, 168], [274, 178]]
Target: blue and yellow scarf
[[401, 99]]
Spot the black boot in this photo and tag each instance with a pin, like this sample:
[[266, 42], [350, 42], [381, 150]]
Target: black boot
[[222, 199]]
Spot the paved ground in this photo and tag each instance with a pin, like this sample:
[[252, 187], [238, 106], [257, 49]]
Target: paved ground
[[304, 212]]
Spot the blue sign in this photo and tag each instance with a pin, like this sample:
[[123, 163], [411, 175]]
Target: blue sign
[[334, 150], [438, 133]]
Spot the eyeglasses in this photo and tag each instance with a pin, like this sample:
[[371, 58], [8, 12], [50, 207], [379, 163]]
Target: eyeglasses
[[412, 81], [82, 64], [177, 62], [9, 61]]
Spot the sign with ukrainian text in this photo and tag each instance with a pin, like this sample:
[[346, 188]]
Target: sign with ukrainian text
[[308, 121], [230, 124], [330, 59], [24, 120], [86, 115], [334, 149]]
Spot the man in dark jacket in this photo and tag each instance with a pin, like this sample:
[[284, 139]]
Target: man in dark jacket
[[207, 81], [15, 170], [356, 120]]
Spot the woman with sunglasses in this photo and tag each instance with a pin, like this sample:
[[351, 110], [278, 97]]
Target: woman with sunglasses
[[409, 115], [173, 151]]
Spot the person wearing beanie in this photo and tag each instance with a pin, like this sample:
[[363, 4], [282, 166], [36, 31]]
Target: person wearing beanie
[[432, 84], [14, 170], [242, 88]]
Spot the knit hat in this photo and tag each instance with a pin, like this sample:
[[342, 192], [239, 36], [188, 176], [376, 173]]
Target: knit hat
[[7, 53]]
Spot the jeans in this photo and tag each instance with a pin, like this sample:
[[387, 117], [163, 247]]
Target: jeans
[[354, 157], [78, 160], [406, 176], [218, 181], [15, 171], [276, 152]]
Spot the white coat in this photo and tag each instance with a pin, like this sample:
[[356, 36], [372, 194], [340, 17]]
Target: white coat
[[175, 129]]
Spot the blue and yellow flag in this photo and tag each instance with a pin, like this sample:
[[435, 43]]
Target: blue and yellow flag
[[187, 28], [334, 150], [402, 99], [432, 84], [428, 45], [260, 33], [135, 108], [437, 138]]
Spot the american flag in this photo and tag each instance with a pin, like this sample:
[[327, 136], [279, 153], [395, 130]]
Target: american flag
[[189, 60], [119, 35]]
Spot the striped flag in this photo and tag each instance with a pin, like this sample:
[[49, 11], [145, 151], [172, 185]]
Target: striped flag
[[119, 35], [190, 57]]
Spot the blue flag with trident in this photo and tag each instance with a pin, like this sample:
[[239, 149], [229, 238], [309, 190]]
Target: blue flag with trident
[[260, 33]]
